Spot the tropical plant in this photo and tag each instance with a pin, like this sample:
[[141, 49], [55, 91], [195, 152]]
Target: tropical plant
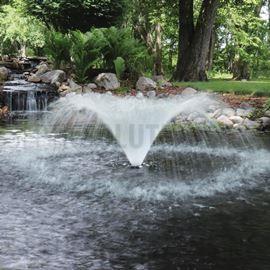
[[121, 43], [57, 48], [120, 66], [86, 51]]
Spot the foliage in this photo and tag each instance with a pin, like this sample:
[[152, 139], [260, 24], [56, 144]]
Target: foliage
[[19, 31], [119, 65], [121, 43], [81, 15], [58, 48], [86, 51], [242, 38]]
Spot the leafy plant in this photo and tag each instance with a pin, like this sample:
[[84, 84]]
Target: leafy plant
[[86, 51], [121, 43], [120, 66], [57, 48]]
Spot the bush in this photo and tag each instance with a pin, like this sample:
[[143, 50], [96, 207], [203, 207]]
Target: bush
[[121, 43], [57, 48], [86, 51]]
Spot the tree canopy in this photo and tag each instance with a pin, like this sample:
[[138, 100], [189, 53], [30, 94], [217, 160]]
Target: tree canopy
[[77, 14]]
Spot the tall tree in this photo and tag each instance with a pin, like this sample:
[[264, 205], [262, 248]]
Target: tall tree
[[194, 39]]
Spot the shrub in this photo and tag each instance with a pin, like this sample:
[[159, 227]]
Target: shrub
[[121, 43], [86, 51], [57, 48], [119, 66]]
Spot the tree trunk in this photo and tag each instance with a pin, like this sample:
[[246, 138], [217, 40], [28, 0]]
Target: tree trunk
[[211, 50], [194, 44], [158, 68], [241, 70], [23, 50]]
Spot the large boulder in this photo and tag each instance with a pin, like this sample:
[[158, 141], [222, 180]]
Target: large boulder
[[34, 78], [42, 68], [249, 124], [53, 77], [265, 121], [236, 119], [4, 73], [108, 81], [146, 84]]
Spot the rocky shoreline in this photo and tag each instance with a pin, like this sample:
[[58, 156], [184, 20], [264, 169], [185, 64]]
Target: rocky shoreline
[[244, 113]]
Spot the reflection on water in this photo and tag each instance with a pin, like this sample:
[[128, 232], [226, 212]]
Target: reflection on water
[[74, 203]]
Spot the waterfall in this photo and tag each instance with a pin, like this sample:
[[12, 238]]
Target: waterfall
[[21, 96], [31, 102]]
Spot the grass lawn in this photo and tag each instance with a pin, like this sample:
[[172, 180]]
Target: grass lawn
[[254, 88]]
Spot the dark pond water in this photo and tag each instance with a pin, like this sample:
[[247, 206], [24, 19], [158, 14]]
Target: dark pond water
[[200, 202]]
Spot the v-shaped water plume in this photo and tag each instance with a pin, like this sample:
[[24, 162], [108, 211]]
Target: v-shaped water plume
[[134, 122]]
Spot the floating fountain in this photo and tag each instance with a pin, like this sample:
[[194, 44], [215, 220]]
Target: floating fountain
[[135, 122]]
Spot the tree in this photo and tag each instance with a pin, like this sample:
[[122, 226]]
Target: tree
[[194, 39], [17, 31], [66, 15]]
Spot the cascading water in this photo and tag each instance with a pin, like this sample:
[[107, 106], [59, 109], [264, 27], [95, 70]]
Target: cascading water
[[31, 102], [134, 122], [23, 96]]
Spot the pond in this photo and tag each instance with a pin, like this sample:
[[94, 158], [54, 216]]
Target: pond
[[201, 201]]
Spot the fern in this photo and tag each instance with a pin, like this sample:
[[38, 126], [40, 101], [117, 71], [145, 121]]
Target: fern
[[57, 48], [86, 51], [119, 65]]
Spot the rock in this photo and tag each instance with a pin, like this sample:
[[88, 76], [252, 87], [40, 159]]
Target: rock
[[63, 88], [74, 87], [239, 127], [53, 77], [200, 120], [228, 112], [4, 73], [151, 94], [34, 79], [251, 124], [236, 119], [140, 95], [267, 113], [42, 68], [265, 122], [89, 87], [146, 84], [108, 81], [225, 121], [189, 91], [243, 112]]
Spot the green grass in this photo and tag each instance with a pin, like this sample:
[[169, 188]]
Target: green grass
[[254, 88]]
